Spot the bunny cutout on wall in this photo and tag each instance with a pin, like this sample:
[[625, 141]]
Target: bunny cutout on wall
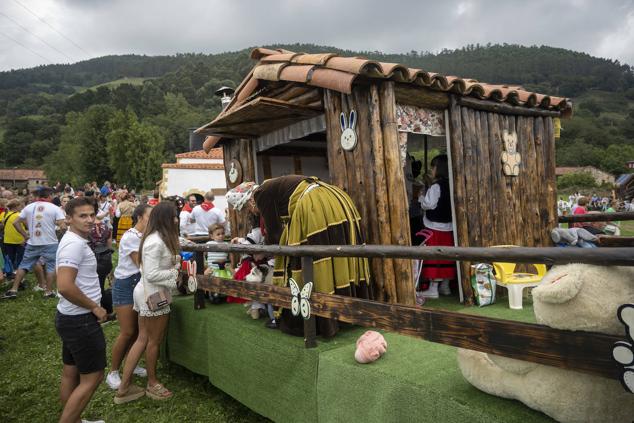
[[348, 136], [511, 159]]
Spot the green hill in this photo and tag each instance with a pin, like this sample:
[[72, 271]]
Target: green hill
[[41, 107]]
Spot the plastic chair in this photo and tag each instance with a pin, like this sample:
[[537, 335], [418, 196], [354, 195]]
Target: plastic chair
[[515, 282]]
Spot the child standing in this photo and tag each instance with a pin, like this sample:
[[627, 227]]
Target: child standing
[[437, 217], [217, 262]]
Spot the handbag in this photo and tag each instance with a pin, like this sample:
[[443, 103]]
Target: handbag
[[159, 299]]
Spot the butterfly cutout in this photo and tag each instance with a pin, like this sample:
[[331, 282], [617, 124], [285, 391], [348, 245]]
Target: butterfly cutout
[[299, 300], [623, 351]]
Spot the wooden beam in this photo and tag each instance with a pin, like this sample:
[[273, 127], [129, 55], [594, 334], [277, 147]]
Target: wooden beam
[[616, 241], [420, 96], [597, 217], [505, 108], [545, 255], [573, 350]]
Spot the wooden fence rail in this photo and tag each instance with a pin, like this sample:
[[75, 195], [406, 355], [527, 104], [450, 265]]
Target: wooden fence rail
[[575, 350], [546, 255], [596, 217], [582, 351]]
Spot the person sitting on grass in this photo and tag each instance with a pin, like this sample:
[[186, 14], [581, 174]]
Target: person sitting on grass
[[79, 314]]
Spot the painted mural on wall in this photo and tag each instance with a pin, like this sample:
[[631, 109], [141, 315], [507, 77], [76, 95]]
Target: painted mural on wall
[[420, 120]]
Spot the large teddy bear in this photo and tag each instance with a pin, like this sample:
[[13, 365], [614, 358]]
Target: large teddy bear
[[572, 297]]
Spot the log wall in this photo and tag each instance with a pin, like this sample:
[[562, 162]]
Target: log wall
[[241, 150], [492, 208], [373, 177]]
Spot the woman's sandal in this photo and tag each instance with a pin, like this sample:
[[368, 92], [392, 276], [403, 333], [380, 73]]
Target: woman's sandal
[[134, 392], [158, 392]]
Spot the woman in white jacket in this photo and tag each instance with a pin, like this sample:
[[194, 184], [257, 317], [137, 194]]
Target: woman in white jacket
[[159, 269]]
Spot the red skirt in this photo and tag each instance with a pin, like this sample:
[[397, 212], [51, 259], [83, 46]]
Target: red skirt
[[439, 269]]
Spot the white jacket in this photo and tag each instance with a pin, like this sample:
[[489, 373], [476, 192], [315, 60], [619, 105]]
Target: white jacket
[[159, 267]]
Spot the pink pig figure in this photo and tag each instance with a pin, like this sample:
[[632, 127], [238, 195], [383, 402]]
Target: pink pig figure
[[370, 347]]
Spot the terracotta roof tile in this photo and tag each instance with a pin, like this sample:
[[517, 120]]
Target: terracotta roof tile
[[214, 153], [327, 70], [297, 73], [205, 166], [22, 174]]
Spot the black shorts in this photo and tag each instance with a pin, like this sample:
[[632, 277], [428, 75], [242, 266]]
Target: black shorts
[[83, 342]]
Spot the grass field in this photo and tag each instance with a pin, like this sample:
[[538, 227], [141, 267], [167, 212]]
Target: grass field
[[134, 80], [29, 380]]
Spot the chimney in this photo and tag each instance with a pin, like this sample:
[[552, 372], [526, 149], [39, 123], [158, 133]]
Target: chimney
[[226, 95]]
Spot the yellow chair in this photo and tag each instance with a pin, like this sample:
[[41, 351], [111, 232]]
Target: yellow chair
[[515, 282]]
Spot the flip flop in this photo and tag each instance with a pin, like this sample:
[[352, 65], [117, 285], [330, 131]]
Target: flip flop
[[134, 392], [158, 392]]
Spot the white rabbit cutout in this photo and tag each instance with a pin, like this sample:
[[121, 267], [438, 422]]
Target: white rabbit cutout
[[348, 136]]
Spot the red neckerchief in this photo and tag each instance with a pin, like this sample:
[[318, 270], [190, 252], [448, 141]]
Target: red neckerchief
[[152, 202], [207, 205], [187, 208]]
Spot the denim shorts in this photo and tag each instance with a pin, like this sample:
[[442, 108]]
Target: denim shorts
[[32, 253], [83, 342], [123, 289]]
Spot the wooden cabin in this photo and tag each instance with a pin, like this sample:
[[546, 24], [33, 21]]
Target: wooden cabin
[[288, 115]]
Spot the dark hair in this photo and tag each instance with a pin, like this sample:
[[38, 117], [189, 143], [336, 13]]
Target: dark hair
[[162, 220], [138, 212], [43, 192], [155, 194], [441, 162], [78, 202]]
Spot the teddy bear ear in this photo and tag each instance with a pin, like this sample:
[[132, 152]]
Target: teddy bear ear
[[342, 120]]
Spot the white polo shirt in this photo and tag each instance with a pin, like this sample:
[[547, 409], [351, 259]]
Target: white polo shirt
[[74, 251], [40, 217]]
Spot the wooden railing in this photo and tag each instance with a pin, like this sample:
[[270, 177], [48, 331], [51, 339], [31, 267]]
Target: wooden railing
[[596, 217], [576, 350]]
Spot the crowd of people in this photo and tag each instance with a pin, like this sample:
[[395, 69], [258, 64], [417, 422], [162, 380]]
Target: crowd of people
[[66, 236]]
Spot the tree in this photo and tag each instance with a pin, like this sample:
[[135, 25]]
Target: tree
[[581, 180], [135, 150]]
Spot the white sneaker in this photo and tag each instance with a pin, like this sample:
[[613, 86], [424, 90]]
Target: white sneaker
[[92, 421], [140, 371], [113, 380], [38, 288], [444, 287], [432, 291]]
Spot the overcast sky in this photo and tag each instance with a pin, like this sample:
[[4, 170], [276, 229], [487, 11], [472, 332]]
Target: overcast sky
[[64, 31]]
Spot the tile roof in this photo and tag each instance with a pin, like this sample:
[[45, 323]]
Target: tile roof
[[205, 166], [214, 153], [329, 71], [22, 174]]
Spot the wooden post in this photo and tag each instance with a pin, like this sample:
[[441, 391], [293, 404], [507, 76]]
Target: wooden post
[[199, 295], [397, 195], [310, 326]]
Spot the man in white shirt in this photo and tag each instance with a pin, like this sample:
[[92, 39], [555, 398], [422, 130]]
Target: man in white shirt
[[40, 217], [79, 314], [206, 214], [187, 224]]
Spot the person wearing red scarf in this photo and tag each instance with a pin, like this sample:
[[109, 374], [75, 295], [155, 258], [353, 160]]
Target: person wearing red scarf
[[206, 214], [185, 217]]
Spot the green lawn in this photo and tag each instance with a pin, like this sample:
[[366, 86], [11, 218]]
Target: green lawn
[[29, 380]]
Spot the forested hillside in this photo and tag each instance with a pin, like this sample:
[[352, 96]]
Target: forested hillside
[[84, 121]]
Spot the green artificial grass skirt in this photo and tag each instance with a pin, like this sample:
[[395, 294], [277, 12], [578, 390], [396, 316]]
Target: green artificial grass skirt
[[277, 377]]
